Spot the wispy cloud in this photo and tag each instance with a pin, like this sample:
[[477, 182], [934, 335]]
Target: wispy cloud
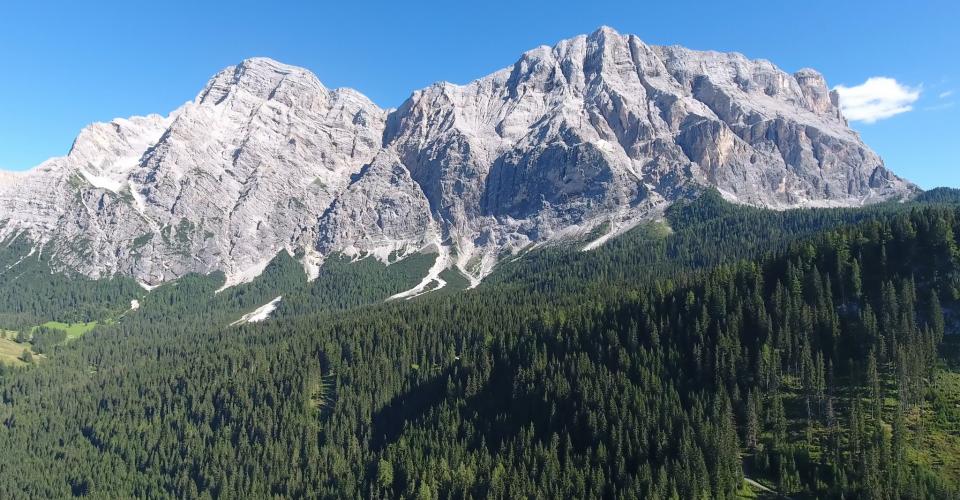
[[941, 106], [945, 94], [877, 98]]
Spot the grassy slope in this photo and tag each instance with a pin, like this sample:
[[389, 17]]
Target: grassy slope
[[10, 352], [74, 330], [935, 429]]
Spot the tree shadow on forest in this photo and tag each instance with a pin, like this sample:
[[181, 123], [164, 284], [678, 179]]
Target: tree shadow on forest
[[410, 407], [495, 412]]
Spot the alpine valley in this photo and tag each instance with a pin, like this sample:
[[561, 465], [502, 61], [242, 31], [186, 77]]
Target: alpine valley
[[609, 270]]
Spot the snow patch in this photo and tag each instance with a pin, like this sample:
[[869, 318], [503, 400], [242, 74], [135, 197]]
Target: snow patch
[[259, 314], [432, 277], [487, 262], [312, 261], [616, 227], [381, 250], [247, 275], [146, 286], [619, 225], [101, 182], [21, 259], [732, 198], [139, 203], [599, 241], [134, 305]]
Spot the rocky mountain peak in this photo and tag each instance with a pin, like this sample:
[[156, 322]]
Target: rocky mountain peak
[[261, 78], [820, 99]]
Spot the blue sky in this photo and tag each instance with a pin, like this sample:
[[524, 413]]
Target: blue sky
[[66, 64]]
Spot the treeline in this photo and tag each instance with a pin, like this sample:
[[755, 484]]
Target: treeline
[[695, 234], [32, 293]]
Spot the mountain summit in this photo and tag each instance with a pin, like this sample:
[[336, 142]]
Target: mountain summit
[[595, 134]]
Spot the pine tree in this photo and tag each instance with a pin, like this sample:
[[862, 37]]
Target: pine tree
[[753, 423], [873, 383], [856, 282]]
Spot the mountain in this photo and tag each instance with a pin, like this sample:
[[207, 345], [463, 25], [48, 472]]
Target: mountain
[[706, 361], [587, 137]]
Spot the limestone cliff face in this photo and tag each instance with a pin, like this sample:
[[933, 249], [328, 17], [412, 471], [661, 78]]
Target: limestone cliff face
[[601, 128], [383, 212], [224, 183]]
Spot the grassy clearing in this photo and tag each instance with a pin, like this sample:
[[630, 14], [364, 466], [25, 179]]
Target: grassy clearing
[[660, 229], [74, 330], [753, 490], [935, 429], [747, 491], [319, 396], [934, 426], [10, 352]]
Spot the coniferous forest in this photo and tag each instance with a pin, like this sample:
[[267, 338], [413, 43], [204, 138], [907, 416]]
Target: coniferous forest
[[722, 352]]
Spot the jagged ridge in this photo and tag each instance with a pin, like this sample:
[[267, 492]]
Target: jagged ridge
[[598, 129]]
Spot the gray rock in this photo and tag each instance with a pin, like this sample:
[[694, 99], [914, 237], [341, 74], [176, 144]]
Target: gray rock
[[598, 129], [382, 213]]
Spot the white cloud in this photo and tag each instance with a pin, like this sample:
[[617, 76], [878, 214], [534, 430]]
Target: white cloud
[[940, 107], [944, 95], [876, 99]]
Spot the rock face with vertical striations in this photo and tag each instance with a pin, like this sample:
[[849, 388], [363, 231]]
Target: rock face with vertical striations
[[600, 129]]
